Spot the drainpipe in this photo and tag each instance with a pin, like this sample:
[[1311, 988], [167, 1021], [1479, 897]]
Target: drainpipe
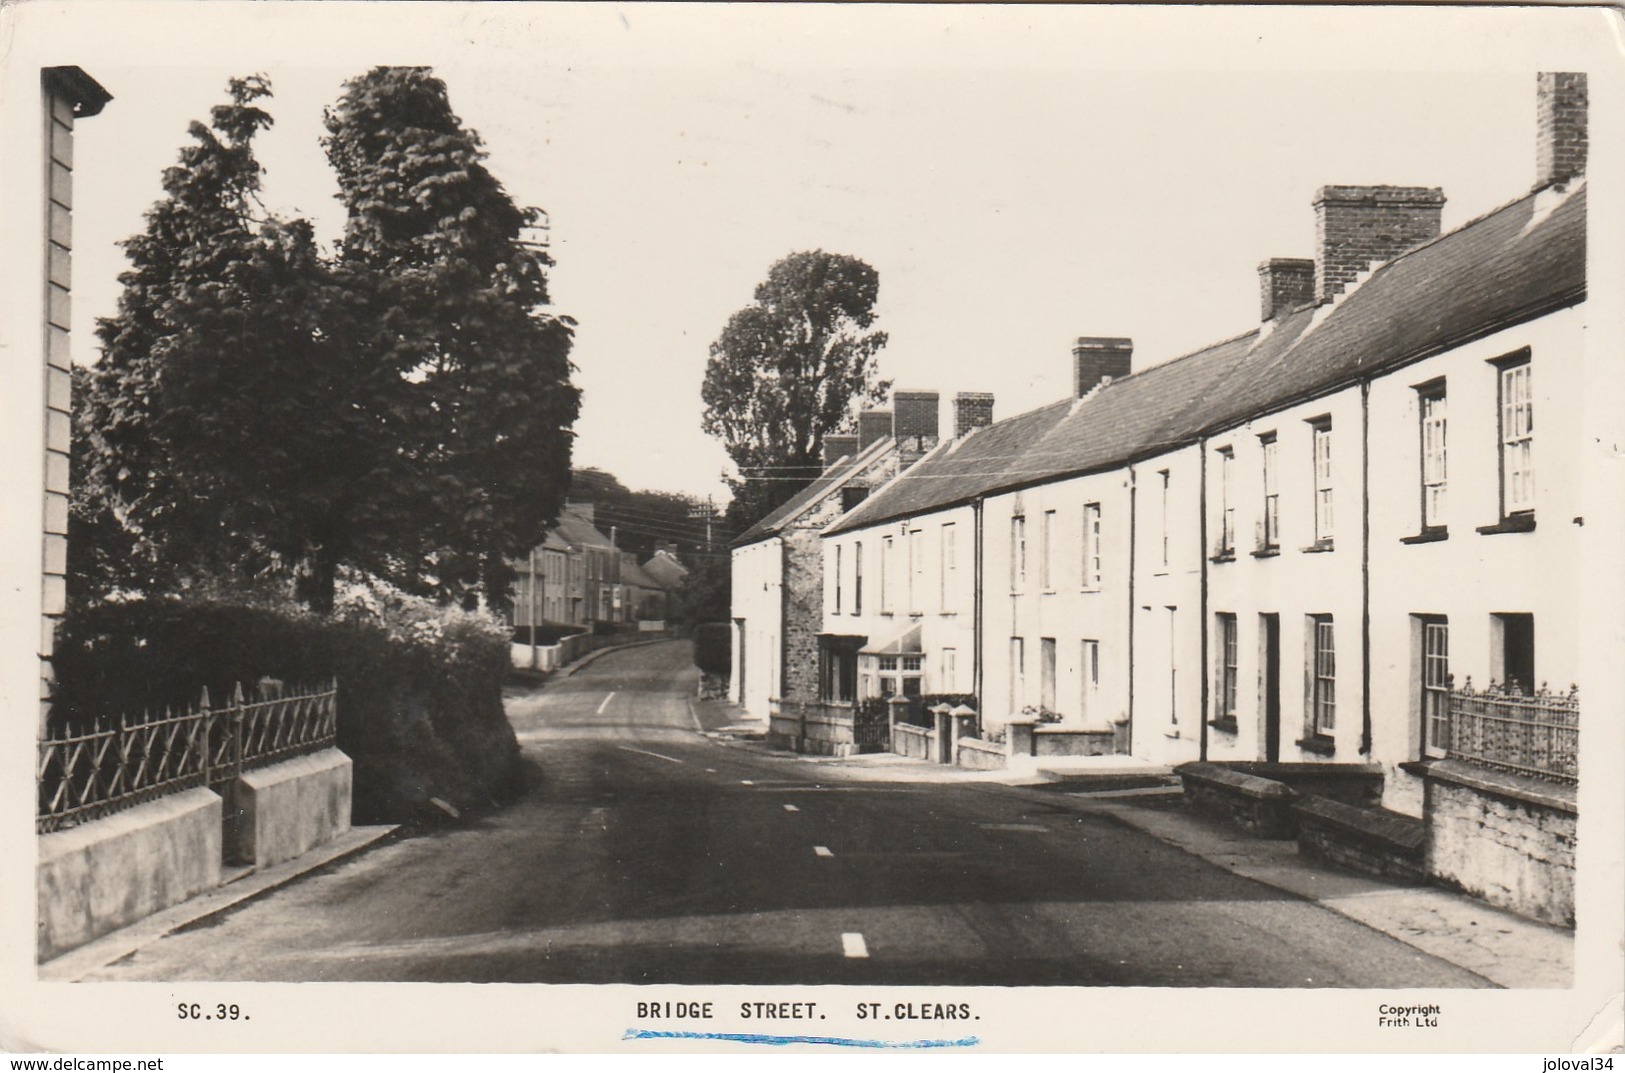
[[1365, 568], [1133, 607], [1201, 603], [976, 612]]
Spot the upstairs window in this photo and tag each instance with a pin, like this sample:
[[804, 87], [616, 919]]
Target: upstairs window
[[1322, 435], [1046, 545], [1227, 507], [1431, 403], [1270, 535], [837, 579], [1091, 545], [1163, 513], [1517, 438], [947, 564], [857, 577], [1018, 553], [887, 569]]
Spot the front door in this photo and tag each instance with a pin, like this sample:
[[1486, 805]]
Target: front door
[[1270, 633]]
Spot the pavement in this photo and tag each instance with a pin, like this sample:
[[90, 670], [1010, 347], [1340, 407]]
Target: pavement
[[1503, 947], [247, 886]]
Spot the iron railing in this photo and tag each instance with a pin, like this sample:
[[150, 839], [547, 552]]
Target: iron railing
[[116, 764], [1506, 729]]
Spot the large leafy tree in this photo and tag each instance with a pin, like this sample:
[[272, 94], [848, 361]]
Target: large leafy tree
[[217, 436], [479, 399], [403, 408], [786, 371]]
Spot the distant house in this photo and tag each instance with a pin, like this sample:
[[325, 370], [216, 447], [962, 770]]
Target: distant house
[[572, 578], [786, 663], [669, 574]]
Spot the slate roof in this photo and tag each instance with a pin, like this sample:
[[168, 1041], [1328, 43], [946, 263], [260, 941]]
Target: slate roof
[[1518, 262], [633, 574], [579, 531], [665, 569], [832, 479]]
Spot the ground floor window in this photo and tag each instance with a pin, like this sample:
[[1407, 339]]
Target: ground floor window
[[1046, 674], [892, 676], [1224, 696], [1435, 684], [1322, 714]]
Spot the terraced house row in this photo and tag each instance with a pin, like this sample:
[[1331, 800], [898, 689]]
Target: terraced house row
[[1334, 539]]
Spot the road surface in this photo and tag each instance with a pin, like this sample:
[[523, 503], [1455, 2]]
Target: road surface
[[647, 852]]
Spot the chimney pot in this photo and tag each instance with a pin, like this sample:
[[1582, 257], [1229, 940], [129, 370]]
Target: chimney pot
[[1096, 359], [972, 409], [1360, 226], [1284, 284], [1561, 137]]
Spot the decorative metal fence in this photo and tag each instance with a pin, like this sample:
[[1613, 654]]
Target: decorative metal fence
[[1504, 728], [86, 774]]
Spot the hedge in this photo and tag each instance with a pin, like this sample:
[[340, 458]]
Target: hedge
[[420, 689], [713, 648]]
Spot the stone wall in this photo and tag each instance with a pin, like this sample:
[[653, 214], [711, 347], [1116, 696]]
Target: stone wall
[[803, 610], [1503, 838], [105, 874], [293, 806]]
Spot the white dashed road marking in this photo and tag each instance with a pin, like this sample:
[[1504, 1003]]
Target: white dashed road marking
[[604, 705], [1033, 827], [746, 782], [645, 752], [852, 944], [822, 851], [791, 808]]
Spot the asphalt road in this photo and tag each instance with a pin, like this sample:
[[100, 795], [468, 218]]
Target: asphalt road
[[648, 852]]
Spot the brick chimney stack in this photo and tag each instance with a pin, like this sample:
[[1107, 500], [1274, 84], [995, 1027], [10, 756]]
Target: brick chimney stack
[[1560, 127], [915, 424], [873, 426], [1284, 284], [972, 409], [1360, 226], [837, 446], [1095, 360]]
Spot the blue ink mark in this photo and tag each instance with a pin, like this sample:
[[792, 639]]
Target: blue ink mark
[[782, 1041]]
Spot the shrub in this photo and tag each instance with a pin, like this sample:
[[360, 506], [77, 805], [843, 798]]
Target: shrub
[[420, 687], [713, 648]]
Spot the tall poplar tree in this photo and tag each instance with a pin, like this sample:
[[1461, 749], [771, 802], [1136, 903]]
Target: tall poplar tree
[[216, 438], [480, 402]]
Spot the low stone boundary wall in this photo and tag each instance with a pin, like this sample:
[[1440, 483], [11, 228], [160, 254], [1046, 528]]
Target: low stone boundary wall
[[980, 755], [1353, 784], [912, 741], [103, 875], [1052, 740], [1260, 806], [1507, 839], [1371, 841], [294, 806], [547, 657]]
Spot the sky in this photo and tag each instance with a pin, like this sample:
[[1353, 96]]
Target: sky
[[1018, 176]]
